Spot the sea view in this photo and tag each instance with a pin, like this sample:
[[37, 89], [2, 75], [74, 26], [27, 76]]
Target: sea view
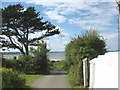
[[51, 55]]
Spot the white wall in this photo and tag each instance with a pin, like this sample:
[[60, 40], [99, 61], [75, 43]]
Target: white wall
[[104, 71]]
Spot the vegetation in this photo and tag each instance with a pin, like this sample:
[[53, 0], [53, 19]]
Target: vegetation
[[8, 63], [58, 65], [87, 45], [31, 78], [37, 63], [12, 78], [19, 23], [41, 59]]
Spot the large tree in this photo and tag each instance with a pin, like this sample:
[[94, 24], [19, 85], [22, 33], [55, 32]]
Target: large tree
[[19, 23]]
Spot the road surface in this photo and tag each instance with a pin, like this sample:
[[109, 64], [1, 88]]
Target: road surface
[[52, 81]]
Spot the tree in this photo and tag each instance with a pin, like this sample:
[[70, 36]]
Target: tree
[[19, 23], [40, 58], [92, 44]]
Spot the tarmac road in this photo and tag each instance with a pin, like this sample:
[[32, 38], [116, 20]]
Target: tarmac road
[[57, 80]]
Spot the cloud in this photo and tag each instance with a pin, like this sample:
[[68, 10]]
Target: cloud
[[58, 42], [55, 16], [59, 10], [92, 13], [101, 16], [38, 1], [111, 40], [15, 0], [36, 34], [53, 1]]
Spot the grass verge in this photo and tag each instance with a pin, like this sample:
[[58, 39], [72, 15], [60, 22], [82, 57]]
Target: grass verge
[[30, 79]]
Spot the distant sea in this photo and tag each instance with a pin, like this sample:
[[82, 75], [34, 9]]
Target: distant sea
[[51, 55]]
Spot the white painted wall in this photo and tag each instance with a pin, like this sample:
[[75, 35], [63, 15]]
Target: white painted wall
[[104, 71]]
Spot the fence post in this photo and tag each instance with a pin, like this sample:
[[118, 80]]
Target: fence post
[[85, 72], [92, 74]]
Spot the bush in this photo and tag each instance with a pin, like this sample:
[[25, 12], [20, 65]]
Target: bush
[[37, 63], [12, 78], [40, 59], [25, 64], [75, 75], [8, 63], [59, 65], [87, 45]]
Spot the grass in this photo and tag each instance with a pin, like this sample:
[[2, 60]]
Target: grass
[[72, 81], [59, 64], [30, 79]]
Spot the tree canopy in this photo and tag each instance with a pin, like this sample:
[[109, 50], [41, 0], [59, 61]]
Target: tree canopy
[[87, 45], [19, 23]]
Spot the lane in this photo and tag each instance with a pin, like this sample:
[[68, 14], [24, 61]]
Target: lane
[[52, 81]]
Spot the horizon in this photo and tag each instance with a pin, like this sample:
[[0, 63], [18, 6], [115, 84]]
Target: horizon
[[50, 51], [20, 52]]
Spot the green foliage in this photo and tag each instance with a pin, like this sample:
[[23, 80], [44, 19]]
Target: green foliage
[[30, 79], [8, 63], [25, 64], [12, 78], [41, 59], [37, 63], [75, 74], [58, 65], [19, 22], [87, 45]]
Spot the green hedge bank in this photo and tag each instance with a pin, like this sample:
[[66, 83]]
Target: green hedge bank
[[12, 78]]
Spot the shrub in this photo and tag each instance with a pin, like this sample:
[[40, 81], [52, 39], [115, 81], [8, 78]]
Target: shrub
[[75, 75], [60, 65], [37, 63], [8, 63], [12, 78], [25, 64], [40, 59], [87, 45]]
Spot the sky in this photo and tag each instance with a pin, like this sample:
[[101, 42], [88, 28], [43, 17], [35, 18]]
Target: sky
[[75, 16]]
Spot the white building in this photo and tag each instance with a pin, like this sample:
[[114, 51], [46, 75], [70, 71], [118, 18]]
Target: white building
[[104, 71]]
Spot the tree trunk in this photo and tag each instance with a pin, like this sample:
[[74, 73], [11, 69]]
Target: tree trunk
[[26, 46], [27, 52]]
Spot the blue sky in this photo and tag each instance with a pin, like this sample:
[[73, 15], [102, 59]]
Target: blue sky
[[75, 16]]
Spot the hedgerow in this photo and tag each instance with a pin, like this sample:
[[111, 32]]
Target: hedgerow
[[87, 45]]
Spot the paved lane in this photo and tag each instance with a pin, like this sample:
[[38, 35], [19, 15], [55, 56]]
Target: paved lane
[[52, 81]]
